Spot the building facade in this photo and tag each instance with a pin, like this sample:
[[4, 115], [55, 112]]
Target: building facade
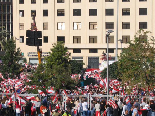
[[82, 25], [6, 18]]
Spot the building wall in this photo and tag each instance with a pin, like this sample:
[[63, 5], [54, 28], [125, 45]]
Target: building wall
[[134, 18]]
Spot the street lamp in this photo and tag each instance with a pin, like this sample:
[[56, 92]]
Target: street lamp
[[121, 41], [107, 36]]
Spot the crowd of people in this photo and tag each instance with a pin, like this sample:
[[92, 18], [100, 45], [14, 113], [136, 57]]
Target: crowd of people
[[79, 106]]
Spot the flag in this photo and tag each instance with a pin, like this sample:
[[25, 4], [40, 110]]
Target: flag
[[127, 99], [41, 92], [112, 103]]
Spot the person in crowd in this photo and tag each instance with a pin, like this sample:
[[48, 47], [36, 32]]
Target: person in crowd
[[109, 110], [120, 106], [85, 107], [115, 110], [152, 106], [126, 113], [102, 106], [18, 107], [0, 107], [135, 111], [97, 108], [124, 108], [37, 105], [29, 107], [131, 111]]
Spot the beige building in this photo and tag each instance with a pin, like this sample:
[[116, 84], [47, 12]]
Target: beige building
[[82, 25]]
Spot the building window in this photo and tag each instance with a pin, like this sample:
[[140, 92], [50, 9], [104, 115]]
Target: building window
[[45, 39], [92, 39], [142, 25], [111, 39], [125, 25], [109, 0], [126, 11], [61, 38], [109, 12], [110, 50], [21, 13], [60, 26], [33, 1], [60, 12], [78, 59], [45, 12], [76, 39], [92, 12], [45, 26], [21, 1], [92, 0], [76, 50], [33, 13], [21, 39], [125, 0], [93, 25], [142, 11], [76, 25], [93, 51], [76, 12], [60, 1], [142, 0], [109, 25], [125, 38], [45, 1], [76, 1], [21, 26]]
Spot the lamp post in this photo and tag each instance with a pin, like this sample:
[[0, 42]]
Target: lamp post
[[107, 36], [121, 41]]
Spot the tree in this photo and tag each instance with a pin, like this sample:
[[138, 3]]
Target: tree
[[136, 63], [59, 66], [76, 67], [10, 61], [113, 71]]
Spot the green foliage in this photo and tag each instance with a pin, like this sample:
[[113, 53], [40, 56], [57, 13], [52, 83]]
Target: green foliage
[[113, 71], [58, 64], [10, 60], [76, 67], [41, 78], [136, 64]]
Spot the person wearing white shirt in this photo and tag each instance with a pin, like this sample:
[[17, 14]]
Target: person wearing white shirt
[[124, 108], [85, 107]]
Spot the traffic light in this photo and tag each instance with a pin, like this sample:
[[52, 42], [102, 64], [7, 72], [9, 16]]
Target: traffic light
[[32, 39]]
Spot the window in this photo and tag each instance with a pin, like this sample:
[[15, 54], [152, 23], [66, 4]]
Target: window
[[142, 0], [78, 59], [92, 12], [45, 1], [21, 40], [142, 25], [21, 26], [126, 11], [125, 38], [45, 26], [61, 38], [92, 0], [60, 12], [109, 12], [111, 39], [143, 38], [21, 13], [125, 0], [45, 39], [93, 51], [33, 1], [109, 0], [76, 1], [110, 50], [92, 39], [76, 12], [33, 13], [125, 25], [76, 25], [76, 50], [76, 39], [93, 25], [142, 11], [45, 12], [21, 1], [60, 26], [60, 1], [109, 25]]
